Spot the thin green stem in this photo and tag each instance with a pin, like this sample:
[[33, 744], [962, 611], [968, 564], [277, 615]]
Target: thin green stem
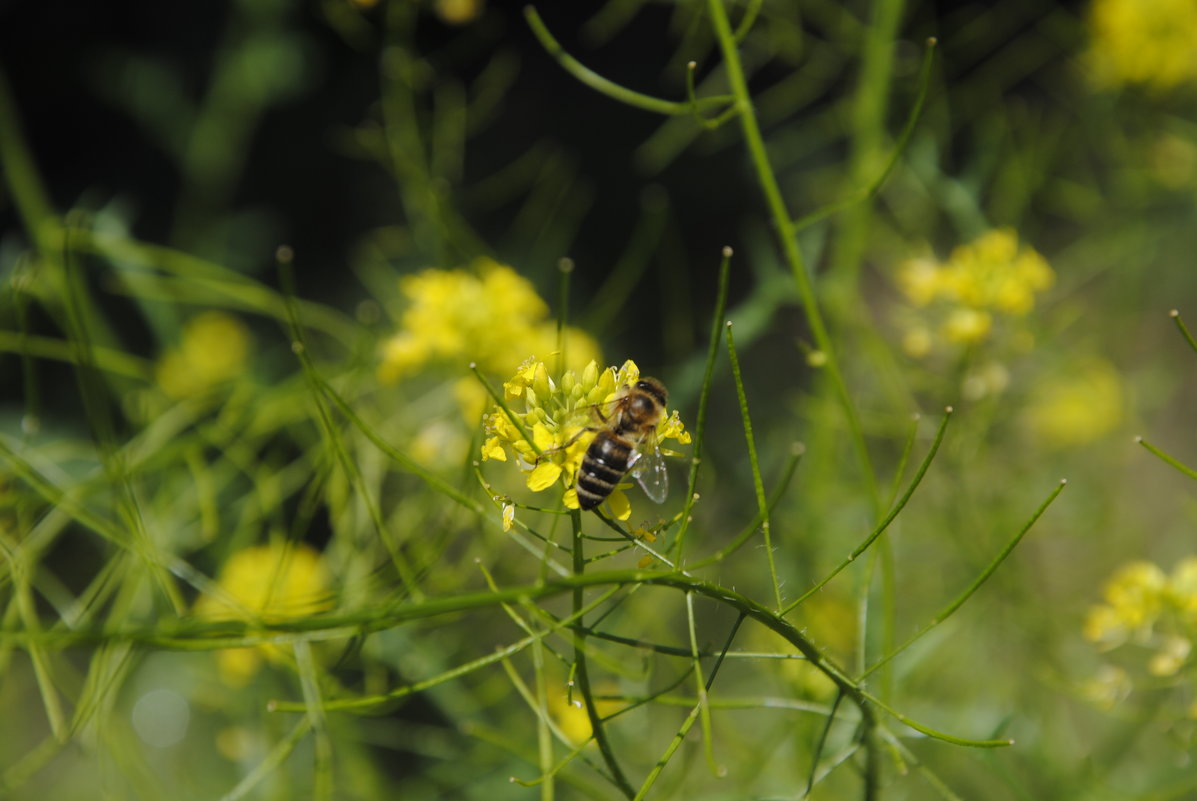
[[747, 532], [581, 673], [277, 756], [565, 268], [704, 395], [607, 87], [959, 600], [889, 518], [695, 712], [310, 685], [1184, 331], [783, 221], [20, 174], [332, 436], [502, 404], [1167, 458], [750, 15], [700, 688], [900, 469], [870, 191], [97, 406], [758, 485], [935, 733]]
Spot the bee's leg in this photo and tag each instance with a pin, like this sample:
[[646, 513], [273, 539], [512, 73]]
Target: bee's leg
[[572, 440]]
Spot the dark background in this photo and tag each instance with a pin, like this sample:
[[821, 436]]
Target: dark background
[[58, 57]]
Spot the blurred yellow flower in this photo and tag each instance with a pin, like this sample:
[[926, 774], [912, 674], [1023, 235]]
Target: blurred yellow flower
[[958, 301], [569, 713], [967, 326], [1077, 405], [1148, 42], [214, 349], [267, 583], [1182, 591], [554, 417], [1151, 609], [1134, 598], [1111, 685], [459, 12], [488, 315], [1173, 653]]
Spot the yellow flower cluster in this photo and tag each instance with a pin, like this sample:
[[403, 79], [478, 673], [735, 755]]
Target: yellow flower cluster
[[1147, 607], [489, 315], [214, 349], [264, 583], [545, 437], [1076, 404], [1148, 42], [958, 299]]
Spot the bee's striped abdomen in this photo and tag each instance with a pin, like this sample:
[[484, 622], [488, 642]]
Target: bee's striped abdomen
[[604, 465]]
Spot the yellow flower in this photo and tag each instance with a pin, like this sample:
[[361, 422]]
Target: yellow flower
[[921, 280], [1182, 591], [1149, 42], [213, 350], [1173, 160], [1137, 592], [967, 326], [1077, 405], [991, 272], [1152, 610], [489, 315], [268, 583], [1110, 686], [546, 421], [917, 341], [993, 276], [1134, 599], [1172, 654], [459, 12]]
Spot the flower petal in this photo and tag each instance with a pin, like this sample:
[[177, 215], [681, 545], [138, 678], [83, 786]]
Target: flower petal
[[493, 449], [543, 476]]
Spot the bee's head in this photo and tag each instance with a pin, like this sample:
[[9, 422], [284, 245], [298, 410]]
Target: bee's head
[[655, 388]]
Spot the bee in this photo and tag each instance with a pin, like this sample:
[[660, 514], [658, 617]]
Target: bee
[[627, 440]]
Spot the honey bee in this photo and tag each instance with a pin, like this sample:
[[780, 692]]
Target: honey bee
[[627, 440]]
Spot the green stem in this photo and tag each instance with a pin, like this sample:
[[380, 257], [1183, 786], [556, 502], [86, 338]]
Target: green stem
[[607, 87], [758, 485], [783, 221], [703, 396], [20, 174], [889, 518], [1184, 330], [580, 670], [1167, 458]]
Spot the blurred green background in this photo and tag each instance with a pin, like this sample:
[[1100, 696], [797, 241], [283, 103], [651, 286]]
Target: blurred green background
[[171, 461]]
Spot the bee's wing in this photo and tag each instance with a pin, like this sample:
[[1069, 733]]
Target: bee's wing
[[648, 466]]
